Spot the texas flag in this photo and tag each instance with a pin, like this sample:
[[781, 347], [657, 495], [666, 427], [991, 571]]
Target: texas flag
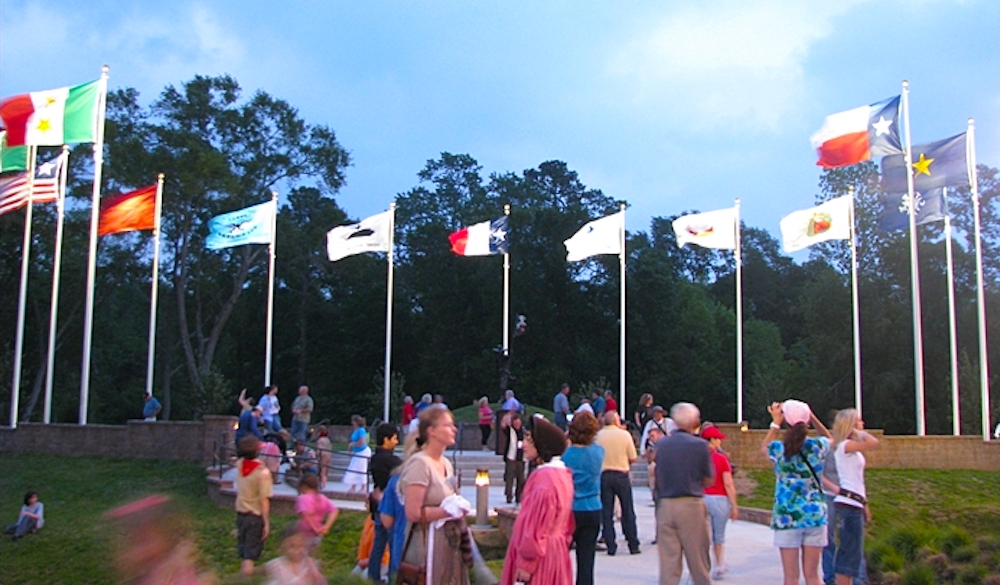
[[854, 136], [482, 239]]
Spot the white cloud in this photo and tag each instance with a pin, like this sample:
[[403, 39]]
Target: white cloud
[[722, 62]]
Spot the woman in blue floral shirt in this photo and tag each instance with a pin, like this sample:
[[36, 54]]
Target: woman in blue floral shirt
[[799, 515]]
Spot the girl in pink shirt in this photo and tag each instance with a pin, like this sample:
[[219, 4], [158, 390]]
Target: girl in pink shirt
[[316, 512]]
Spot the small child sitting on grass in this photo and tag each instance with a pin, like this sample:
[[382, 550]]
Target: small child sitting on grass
[[31, 518]]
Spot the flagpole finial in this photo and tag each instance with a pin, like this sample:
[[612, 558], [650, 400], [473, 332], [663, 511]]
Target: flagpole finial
[[906, 84], [972, 122], [850, 190], [159, 177], [506, 208], [105, 69], [622, 205]]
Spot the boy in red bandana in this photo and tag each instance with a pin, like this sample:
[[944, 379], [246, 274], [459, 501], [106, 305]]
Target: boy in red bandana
[[253, 504]]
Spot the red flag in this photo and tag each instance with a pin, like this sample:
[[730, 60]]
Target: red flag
[[128, 212]]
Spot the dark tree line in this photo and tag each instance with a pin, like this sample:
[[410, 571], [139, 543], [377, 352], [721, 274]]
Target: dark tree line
[[221, 152]]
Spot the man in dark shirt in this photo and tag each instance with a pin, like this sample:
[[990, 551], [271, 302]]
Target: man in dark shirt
[[683, 469], [384, 461], [248, 424]]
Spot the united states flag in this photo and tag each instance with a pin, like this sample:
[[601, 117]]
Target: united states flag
[[14, 187]]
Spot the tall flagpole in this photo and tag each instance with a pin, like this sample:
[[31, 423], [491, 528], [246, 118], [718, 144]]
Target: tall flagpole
[[739, 317], [621, 340], [956, 420], [56, 269], [271, 252], [918, 334], [984, 364], [22, 295], [95, 211], [155, 285], [387, 377], [506, 286], [856, 310]]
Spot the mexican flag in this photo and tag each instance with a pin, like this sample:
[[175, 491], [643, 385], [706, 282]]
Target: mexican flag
[[14, 158], [67, 115]]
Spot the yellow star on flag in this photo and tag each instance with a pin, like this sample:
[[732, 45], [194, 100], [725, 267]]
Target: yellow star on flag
[[44, 126], [923, 165]]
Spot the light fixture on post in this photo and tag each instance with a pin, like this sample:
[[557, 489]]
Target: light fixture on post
[[482, 496], [744, 426]]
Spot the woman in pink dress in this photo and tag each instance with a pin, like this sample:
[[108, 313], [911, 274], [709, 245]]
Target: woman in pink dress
[[538, 552]]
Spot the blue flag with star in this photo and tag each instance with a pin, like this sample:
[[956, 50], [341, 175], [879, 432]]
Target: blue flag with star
[[929, 206], [937, 164]]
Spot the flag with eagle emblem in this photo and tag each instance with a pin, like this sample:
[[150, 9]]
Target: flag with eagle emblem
[[250, 225]]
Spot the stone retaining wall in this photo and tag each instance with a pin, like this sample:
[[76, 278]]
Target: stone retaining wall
[[194, 441]]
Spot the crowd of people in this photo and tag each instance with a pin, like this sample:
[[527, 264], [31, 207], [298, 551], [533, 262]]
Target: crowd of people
[[568, 477]]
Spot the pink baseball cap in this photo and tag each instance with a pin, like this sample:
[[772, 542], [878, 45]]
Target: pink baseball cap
[[796, 412]]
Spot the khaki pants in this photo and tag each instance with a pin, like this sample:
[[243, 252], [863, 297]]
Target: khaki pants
[[682, 528]]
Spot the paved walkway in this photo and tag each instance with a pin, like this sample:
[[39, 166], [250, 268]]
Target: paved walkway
[[749, 553]]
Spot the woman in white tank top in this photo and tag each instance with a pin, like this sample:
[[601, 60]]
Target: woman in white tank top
[[852, 505]]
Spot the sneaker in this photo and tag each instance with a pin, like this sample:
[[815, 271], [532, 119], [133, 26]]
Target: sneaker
[[719, 572], [634, 551]]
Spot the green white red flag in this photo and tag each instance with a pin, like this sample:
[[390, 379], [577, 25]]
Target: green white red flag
[[67, 115]]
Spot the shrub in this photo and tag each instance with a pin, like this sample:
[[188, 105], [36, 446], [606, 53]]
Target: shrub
[[918, 574], [909, 540], [971, 575], [964, 554], [953, 538], [885, 558]]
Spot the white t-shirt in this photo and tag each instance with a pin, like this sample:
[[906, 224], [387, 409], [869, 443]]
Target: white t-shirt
[[851, 469]]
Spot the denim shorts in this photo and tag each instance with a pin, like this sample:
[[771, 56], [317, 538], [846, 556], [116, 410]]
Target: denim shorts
[[851, 529], [799, 537], [718, 512]]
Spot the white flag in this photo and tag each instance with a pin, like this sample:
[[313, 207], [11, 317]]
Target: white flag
[[601, 236], [712, 229], [829, 221], [369, 235]]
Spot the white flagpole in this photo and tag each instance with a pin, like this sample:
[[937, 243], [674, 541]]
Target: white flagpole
[[388, 313], [738, 254], [918, 341], [984, 364], [95, 211], [956, 421], [155, 285], [621, 341], [856, 310], [506, 285], [271, 252], [50, 362], [22, 295]]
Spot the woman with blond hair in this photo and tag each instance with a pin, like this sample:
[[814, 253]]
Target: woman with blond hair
[[799, 514], [433, 508], [851, 503]]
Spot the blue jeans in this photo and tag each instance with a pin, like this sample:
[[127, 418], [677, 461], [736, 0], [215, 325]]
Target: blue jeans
[[378, 549], [299, 430], [616, 484], [830, 552]]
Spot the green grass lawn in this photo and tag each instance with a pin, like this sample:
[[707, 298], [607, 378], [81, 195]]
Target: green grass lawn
[[75, 544], [928, 526]]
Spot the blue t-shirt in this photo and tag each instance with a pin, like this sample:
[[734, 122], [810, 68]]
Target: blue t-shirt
[[585, 463], [798, 499], [598, 404], [151, 406], [359, 434], [392, 505]]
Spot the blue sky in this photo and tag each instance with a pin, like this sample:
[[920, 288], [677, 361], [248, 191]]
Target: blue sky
[[670, 106]]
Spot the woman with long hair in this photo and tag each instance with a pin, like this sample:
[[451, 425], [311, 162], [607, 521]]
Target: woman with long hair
[[485, 421], [584, 459], [851, 503], [356, 476], [427, 483], [643, 411], [538, 551], [799, 515]]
